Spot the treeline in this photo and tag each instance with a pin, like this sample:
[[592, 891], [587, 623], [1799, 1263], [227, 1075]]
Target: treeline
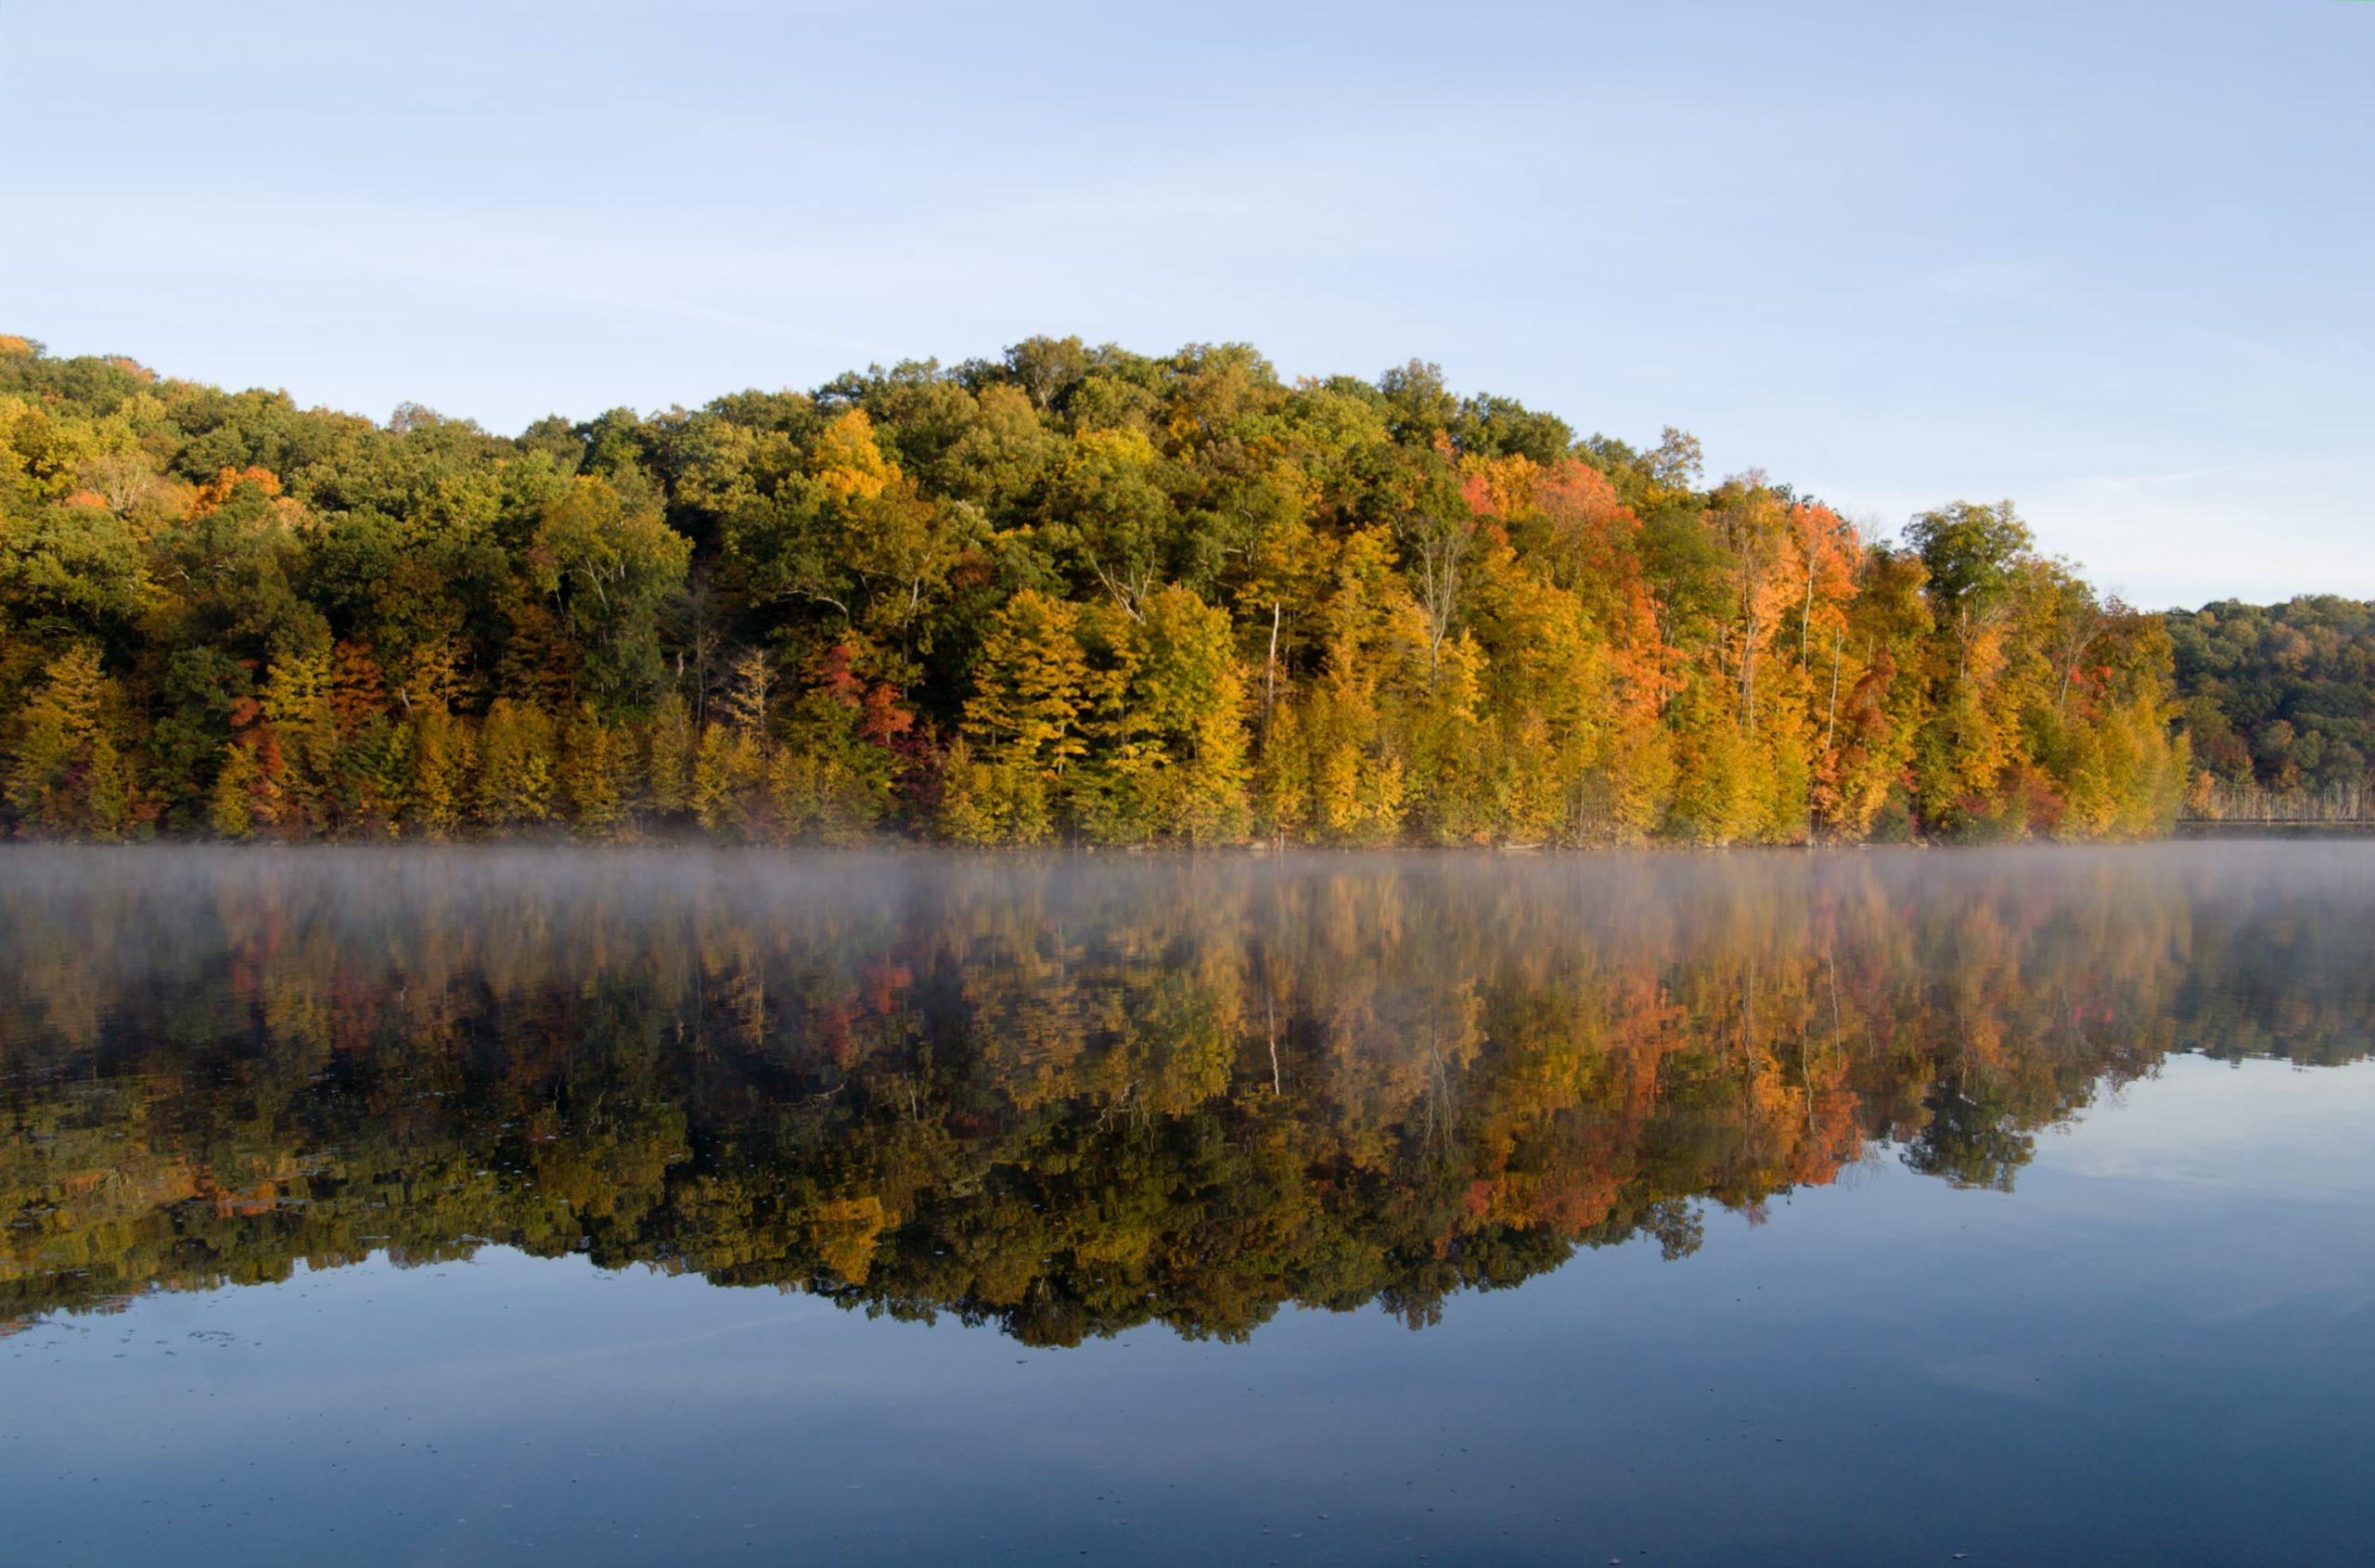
[[1184, 1092], [2280, 705], [1074, 594]]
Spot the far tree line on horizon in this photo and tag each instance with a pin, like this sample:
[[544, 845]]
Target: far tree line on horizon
[[1071, 594]]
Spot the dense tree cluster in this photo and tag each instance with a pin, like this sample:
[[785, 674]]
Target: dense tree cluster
[[2279, 701], [1075, 593], [1185, 1091]]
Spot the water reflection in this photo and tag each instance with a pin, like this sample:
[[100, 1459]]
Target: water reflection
[[1068, 1097]]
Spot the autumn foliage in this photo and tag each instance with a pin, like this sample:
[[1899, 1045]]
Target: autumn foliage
[[1074, 594]]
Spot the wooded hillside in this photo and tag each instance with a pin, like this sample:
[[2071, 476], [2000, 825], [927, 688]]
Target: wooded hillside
[[2280, 703], [1074, 594]]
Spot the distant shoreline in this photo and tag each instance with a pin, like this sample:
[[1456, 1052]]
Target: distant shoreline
[[696, 844]]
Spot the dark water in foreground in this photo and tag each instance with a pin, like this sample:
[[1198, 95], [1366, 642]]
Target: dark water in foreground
[[1874, 1208]]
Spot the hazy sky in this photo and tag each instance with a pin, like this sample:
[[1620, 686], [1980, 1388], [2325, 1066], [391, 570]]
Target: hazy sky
[[2114, 260]]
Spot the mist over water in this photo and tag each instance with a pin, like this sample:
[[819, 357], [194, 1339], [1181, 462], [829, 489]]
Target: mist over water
[[1898, 1143]]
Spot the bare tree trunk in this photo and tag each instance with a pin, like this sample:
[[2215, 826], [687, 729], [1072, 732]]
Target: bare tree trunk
[[1748, 673], [1270, 673], [1806, 615], [1831, 721]]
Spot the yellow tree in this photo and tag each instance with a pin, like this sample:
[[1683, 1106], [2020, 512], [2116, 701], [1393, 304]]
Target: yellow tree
[[669, 743], [517, 766], [444, 757], [729, 789], [1170, 755], [592, 772], [1337, 770], [65, 774], [1024, 724], [296, 704]]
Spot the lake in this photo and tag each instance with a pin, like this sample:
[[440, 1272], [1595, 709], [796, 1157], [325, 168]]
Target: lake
[[490, 1205]]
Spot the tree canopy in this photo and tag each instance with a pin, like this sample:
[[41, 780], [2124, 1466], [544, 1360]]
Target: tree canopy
[[2279, 699], [1072, 594]]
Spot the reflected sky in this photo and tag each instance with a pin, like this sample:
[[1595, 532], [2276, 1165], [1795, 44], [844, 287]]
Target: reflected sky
[[2145, 1337]]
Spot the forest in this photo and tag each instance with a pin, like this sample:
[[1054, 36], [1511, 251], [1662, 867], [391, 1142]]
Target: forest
[[2280, 705], [1074, 594], [1186, 1090]]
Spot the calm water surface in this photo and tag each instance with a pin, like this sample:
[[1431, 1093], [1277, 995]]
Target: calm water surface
[[658, 1208]]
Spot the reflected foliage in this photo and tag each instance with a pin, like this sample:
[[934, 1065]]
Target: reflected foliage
[[1066, 1098]]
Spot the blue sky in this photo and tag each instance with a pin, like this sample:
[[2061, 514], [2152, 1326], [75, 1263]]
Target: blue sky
[[2113, 260]]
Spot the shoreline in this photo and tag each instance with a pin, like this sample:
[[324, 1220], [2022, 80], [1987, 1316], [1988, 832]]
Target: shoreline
[[696, 844]]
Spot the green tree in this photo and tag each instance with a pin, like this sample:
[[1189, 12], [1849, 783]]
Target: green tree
[[613, 570]]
